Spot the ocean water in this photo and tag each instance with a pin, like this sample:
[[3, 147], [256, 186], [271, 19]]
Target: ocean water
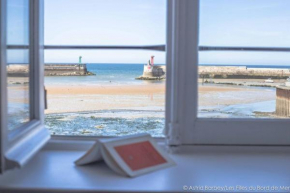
[[105, 74], [121, 74]]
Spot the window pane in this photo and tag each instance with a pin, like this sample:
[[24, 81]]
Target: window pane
[[109, 103], [262, 23], [18, 22], [99, 22], [18, 63], [243, 84]]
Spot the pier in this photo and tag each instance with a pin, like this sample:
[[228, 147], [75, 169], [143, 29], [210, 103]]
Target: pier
[[22, 70], [66, 70], [242, 72], [221, 72]]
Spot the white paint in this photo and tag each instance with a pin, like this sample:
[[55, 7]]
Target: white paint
[[20, 144], [53, 170]]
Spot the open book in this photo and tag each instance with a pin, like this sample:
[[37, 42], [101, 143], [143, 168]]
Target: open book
[[130, 155]]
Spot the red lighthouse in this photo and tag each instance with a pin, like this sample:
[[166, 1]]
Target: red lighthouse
[[152, 61]]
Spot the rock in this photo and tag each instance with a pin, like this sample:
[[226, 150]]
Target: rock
[[99, 126], [85, 131]]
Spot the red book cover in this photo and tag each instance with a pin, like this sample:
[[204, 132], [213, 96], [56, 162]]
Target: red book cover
[[140, 155]]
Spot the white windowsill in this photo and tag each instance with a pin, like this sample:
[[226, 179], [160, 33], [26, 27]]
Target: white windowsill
[[53, 171]]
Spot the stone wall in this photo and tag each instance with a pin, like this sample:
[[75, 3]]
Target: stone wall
[[65, 70], [283, 101], [234, 72], [22, 70], [242, 72], [17, 70]]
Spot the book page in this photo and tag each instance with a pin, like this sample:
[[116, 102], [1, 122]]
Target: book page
[[92, 155], [112, 163], [138, 155]]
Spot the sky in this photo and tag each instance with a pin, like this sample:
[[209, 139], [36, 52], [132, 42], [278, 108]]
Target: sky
[[259, 23]]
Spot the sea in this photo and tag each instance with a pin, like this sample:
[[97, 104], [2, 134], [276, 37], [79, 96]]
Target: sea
[[121, 122], [122, 74], [105, 74]]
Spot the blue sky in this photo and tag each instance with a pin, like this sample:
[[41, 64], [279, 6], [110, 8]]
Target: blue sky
[[140, 22]]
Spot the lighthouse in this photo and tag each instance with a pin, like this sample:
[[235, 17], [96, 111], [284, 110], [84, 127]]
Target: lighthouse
[[150, 64], [152, 72], [152, 60]]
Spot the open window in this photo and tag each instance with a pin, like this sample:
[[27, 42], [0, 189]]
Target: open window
[[119, 88], [22, 100], [183, 51], [22, 125]]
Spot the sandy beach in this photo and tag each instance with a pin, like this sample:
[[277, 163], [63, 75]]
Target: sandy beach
[[120, 108], [91, 98]]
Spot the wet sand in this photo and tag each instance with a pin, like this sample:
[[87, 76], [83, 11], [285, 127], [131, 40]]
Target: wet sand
[[77, 98], [91, 98], [106, 90]]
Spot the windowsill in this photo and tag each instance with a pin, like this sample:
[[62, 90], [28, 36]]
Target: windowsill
[[224, 166]]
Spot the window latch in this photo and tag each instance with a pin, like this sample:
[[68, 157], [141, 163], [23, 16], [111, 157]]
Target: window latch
[[45, 98]]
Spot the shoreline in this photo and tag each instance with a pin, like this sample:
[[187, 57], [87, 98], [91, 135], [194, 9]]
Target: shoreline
[[243, 82], [69, 98], [75, 98]]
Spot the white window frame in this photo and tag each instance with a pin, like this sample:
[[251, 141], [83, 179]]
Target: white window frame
[[3, 98], [19, 145], [184, 126]]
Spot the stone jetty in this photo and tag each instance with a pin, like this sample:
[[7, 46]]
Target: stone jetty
[[242, 72], [222, 72], [22, 70]]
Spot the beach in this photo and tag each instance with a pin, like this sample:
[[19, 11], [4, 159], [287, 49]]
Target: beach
[[121, 109], [114, 103], [75, 98], [91, 98]]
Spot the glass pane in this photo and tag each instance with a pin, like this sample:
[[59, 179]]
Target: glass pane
[[99, 22], [244, 84], [94, 92], [109, 102], [18, 22], [260, 23], [18, 63]]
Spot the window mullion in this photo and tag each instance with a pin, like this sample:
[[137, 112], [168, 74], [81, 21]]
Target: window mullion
[[182, 58], [3, 85], [23, 143]]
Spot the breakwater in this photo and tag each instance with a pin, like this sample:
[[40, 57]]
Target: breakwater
[[242, 72], [224, 72], [22, 70]]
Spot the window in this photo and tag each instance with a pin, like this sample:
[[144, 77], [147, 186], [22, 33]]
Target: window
[[183, 124], [22, 119], [186, 125], [242, 84], [114, 45], [18, 75]]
